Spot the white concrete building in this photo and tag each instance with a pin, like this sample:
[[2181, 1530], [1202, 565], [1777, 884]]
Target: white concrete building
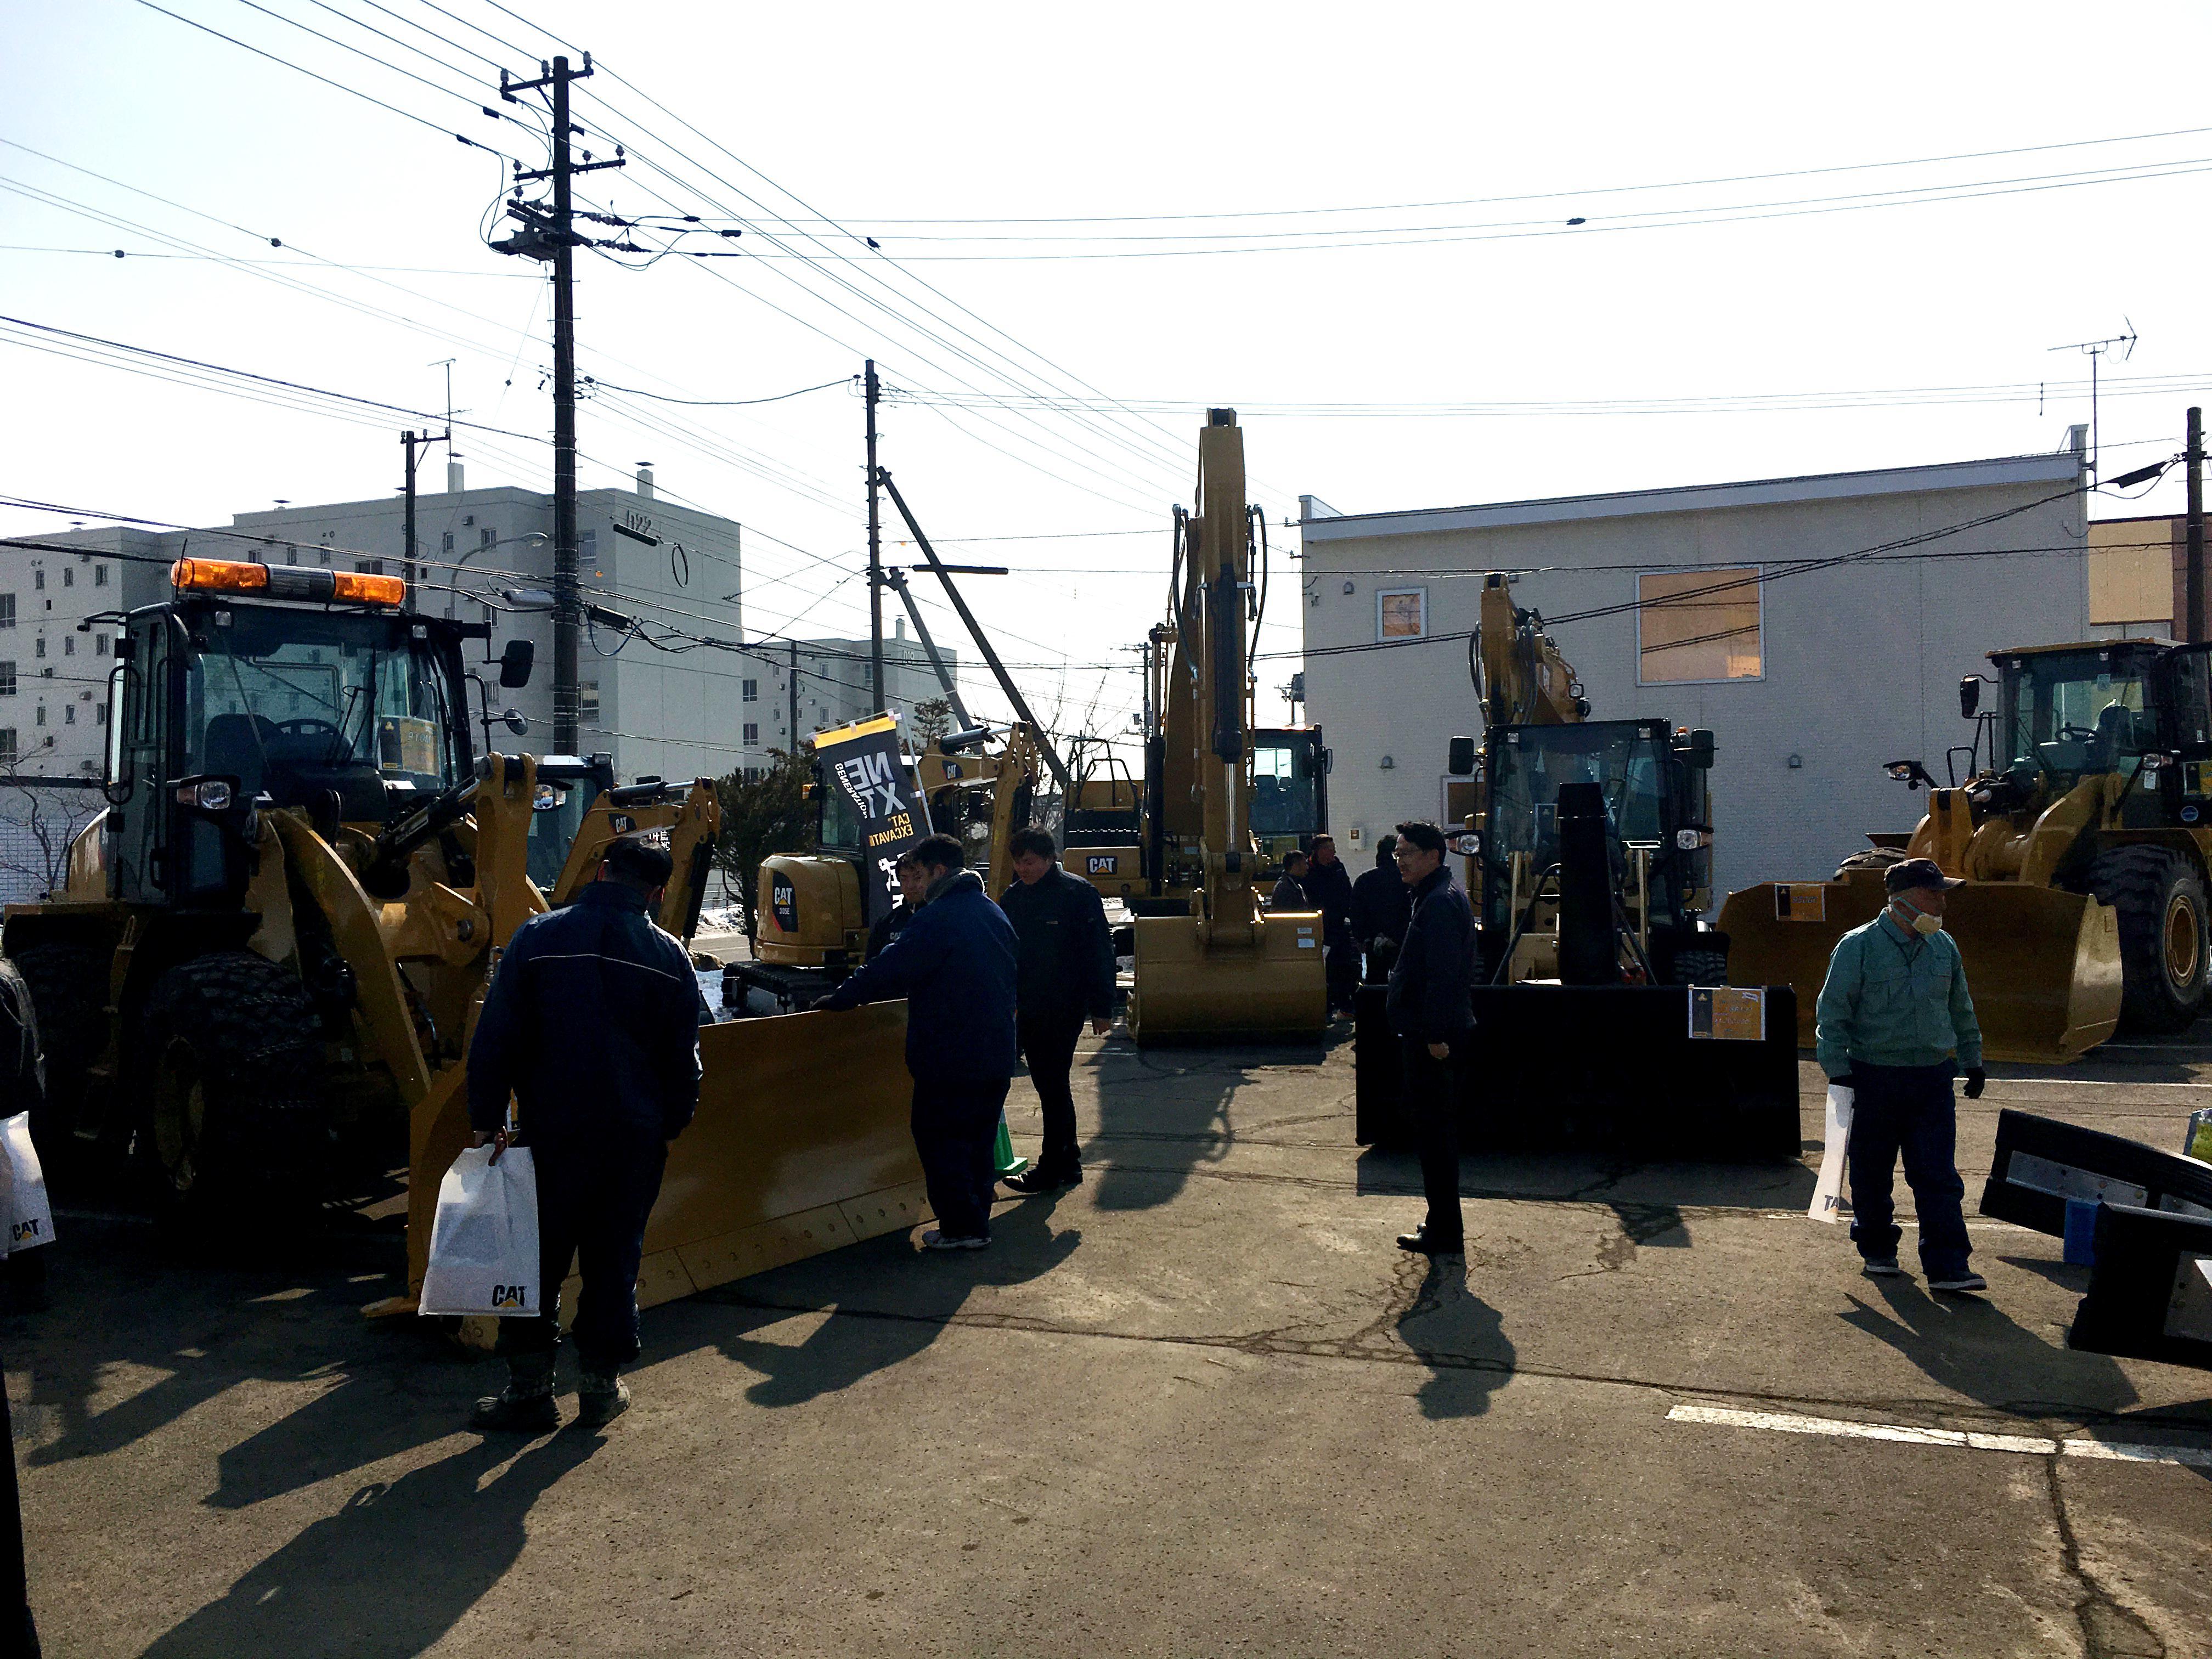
[[1708, 606], [833, 682]]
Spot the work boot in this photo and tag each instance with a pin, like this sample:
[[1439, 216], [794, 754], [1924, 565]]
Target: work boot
[[1041, 1180], [601, 1397], [1419, 1242], [526, 1406]]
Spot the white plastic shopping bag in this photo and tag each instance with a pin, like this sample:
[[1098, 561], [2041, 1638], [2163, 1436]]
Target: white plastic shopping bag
[[30, 1217], [483, 1245], [1828, 1190]]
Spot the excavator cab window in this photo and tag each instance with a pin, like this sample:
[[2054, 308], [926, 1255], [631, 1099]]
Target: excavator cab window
[[1283, 794]]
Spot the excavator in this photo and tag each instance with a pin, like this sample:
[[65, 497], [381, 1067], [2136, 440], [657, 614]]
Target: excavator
[[1221, 971], [279, 930], [2083, 832], [1601, 1000]]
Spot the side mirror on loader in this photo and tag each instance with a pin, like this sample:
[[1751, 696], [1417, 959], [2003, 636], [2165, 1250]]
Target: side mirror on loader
[[1970, 695], [1459, 758], [516, 663], [1699, 751]]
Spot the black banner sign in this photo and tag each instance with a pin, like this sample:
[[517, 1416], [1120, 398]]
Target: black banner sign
[[863, 764]]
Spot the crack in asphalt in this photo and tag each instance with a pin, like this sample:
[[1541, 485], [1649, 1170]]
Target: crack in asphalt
[[1363, 1347], [2109, 1630]]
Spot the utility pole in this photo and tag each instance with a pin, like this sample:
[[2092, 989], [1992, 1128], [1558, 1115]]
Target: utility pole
[[412, 443], [551, 234], [875, 550], [2193, 580], [791, 684]]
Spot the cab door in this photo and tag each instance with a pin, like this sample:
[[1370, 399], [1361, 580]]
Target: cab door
[[2185, 790], [142, 712]]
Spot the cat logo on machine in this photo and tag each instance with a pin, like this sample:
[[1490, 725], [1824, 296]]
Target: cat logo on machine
[[783, 901], [1103, 864], [510, 1296]]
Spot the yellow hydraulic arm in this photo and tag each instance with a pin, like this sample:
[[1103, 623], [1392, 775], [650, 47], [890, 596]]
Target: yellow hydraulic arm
[[1525, 681]]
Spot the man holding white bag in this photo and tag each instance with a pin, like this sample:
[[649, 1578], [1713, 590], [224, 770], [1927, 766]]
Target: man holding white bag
[[591, 1023], [1896, 1024]]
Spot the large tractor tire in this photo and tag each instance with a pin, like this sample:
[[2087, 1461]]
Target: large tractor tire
[[230, 1053], [1871, 858], [2159, 896], [1700, 966], [68, 994]]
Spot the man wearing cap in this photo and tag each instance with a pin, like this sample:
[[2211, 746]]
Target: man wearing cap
[[1896, 1024]]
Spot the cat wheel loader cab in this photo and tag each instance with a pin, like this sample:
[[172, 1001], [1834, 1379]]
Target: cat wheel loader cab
[[1223, 970], [2082, 833], [1654, 784]]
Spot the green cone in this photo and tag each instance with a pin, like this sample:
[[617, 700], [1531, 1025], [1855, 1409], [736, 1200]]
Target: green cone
[[1002, 1155]]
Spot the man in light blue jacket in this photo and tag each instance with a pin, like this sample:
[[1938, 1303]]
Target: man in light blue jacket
[[1896, 1024]]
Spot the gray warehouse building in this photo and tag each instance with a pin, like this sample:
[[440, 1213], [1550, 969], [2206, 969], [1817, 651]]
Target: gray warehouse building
[[1709, 605]]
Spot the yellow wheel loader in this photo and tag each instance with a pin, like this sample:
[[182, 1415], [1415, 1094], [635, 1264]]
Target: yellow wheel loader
[[1222, 971], [816, 908], [2082, 832], [281, 929]]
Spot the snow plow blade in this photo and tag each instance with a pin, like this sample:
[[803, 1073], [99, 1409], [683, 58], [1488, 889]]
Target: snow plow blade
[[1190, 989], [2043, 965], [801, 1144]]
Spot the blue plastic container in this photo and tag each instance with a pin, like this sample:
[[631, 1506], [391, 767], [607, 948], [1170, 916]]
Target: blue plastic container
[[2081, 1231]]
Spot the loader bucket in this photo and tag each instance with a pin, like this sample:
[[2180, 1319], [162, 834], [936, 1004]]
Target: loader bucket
[[801, 1144], [1186, 990], [2043, 964]]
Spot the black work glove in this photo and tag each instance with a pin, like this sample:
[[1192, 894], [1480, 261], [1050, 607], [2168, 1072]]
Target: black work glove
[[1977, 1080]]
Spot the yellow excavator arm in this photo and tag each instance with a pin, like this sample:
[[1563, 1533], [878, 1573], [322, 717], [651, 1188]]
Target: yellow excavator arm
[[1525, 680]]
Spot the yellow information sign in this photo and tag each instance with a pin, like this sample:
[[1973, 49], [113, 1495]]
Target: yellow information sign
[[1728, 1013], [1801, 900]]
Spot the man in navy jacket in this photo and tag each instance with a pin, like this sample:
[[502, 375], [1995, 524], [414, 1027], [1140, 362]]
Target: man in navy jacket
[[954, 964], [1432, 1010], [591, 1023]]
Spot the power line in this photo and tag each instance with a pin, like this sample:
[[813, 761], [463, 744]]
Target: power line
[[715, 403]]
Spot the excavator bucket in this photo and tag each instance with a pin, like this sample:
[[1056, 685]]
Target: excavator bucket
[[1189, 989], [2043, 965], [801, 1144]]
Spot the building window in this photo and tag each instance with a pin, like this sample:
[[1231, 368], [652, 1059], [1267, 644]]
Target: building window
[[445, 541], [1402, 613], [100, 576], [102, 646], [322, 555], [7, 679], [588, 700], [291, 556], [68, 713], [69, 645], [7, 745], [752, 733], [38, 649], [39, 580], [1694, 625], [485, 539], [69, 577], [7, 610], [751, 691], [41, 718], [370, 567], [100, 714]]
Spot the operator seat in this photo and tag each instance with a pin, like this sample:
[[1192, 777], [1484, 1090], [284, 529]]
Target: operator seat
[[234, 747], [2119, 739]]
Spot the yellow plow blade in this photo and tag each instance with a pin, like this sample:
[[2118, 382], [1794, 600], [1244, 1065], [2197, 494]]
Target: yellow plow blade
[[801, 1144], [2043, 965], [1271, 990]]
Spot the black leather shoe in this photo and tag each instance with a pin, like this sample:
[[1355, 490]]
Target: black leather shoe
[[1419, 1240], [1043, 1181]]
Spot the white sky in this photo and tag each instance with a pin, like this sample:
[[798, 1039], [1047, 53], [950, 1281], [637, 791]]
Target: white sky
[[875, 112]]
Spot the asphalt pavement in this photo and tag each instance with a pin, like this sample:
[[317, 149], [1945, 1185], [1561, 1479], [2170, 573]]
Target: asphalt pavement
[[1199, 1404]]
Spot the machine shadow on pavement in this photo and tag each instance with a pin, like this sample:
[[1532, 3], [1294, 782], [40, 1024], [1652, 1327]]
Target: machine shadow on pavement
[[885, 1303], [1972, 1347], [394, 1569], [1461, 1338], [1162, 1113]]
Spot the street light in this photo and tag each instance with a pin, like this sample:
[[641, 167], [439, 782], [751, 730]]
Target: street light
[[528, 537]]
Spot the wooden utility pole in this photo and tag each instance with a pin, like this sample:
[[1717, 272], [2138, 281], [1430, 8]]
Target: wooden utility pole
[[412, 443]]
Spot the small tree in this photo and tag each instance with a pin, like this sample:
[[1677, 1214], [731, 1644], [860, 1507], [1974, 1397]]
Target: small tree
[[932, 717], [763, 816], [38, 819]]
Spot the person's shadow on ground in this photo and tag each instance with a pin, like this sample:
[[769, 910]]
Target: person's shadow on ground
[[911, 1296], [1972, 1347], [1461, 1338], [393, 1571]]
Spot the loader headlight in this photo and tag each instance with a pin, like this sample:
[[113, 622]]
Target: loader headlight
[[1688, 840], [209, 795]]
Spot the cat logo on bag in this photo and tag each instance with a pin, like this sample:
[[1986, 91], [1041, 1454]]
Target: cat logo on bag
[[21, 1232], [510, 1296]]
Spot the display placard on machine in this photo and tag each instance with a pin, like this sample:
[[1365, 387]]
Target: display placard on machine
[[1728, 1013]]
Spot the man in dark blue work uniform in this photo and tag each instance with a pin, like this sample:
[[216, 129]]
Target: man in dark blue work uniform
[[1066, 972], [1328, 889], [954, 966], [1432, 1010], [1382, 909], [591, 1022]]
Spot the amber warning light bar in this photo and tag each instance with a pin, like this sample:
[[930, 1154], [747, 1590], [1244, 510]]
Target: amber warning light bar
[[283, 582]]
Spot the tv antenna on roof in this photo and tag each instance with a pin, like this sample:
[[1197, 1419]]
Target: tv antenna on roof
[[2094, 351]]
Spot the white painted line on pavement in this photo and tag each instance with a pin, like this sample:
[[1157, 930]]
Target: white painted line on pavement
[[2032, 1445]]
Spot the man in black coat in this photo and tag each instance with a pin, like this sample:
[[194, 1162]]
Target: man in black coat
[[1382, 909], [1066, 974], [1432, 1010], [591, 1023], [1328, 889], [954, 964], [1289, 892]]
